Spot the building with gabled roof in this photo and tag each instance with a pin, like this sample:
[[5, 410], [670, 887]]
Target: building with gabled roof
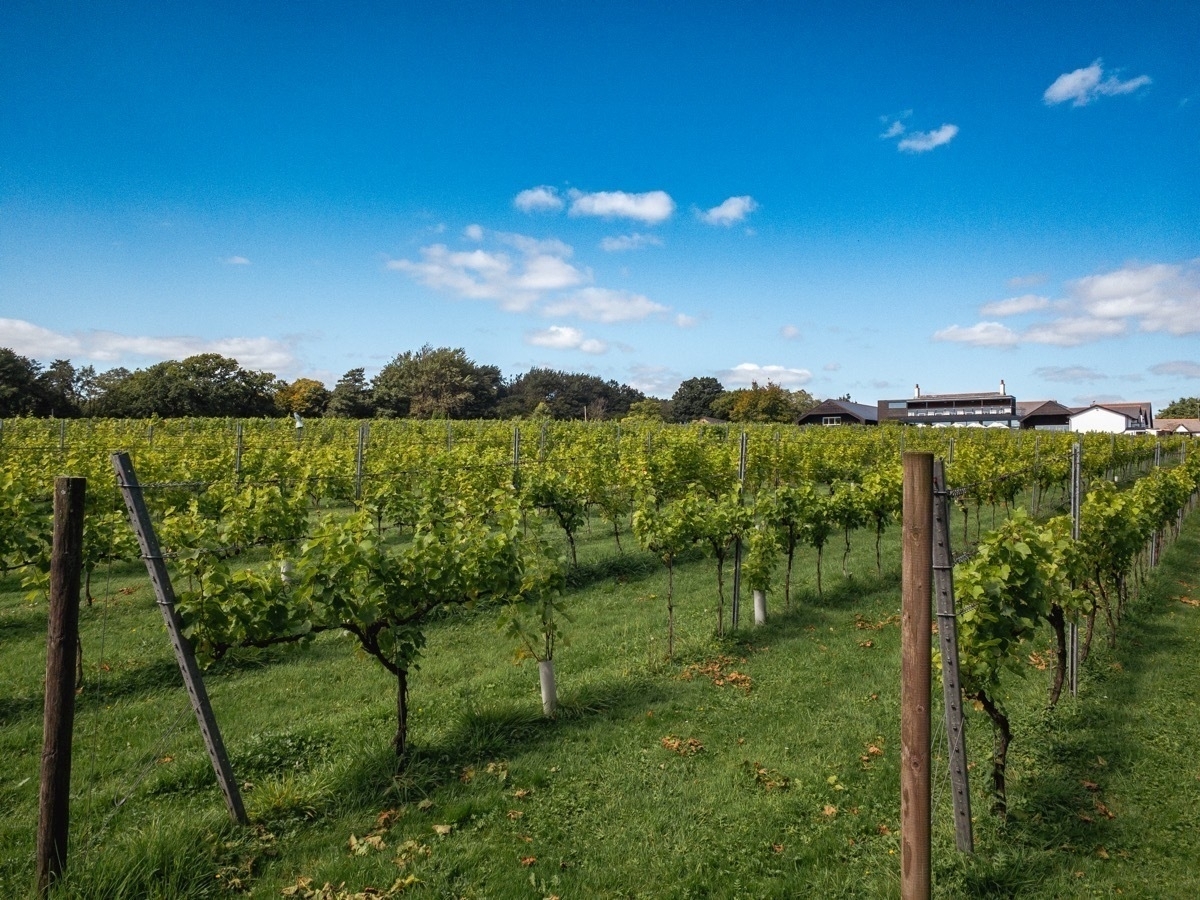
[[1177, 426], [990, 409], [840, 412], [1114, 418], [1044, 415]]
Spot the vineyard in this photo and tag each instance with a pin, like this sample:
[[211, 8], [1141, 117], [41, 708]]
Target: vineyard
[[623, 559]]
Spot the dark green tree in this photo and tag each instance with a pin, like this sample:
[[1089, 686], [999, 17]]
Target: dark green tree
[[351, 397], [1183, 408], [566, 395], [694, 398], [207, 384], [436, 383], [21, 392]]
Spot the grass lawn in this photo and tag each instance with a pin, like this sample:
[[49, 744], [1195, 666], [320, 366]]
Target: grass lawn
[[763, 765]]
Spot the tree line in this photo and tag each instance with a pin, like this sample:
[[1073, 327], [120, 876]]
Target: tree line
[[429, 383]]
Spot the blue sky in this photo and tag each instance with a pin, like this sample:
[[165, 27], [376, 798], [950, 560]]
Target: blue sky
[[850, 198]]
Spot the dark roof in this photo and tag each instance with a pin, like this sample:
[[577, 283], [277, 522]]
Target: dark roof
[[973, 395], [1191, 426], [859, 411], [1026, 408], [1129, 410]]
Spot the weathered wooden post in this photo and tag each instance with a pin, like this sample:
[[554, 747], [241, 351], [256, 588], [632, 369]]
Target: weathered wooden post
[[62, 635], [915, 624]]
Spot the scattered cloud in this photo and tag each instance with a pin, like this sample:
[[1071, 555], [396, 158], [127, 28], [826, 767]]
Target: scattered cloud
[[1014, 305], [924, 141], [564, 337], [1026, 281], [1071, 331], [596, 304], [654, 381], [744, 374], [1082, 86], [731, 211], [651, 207], [1068, 374], [473, 233], [832, 367], [522, 274], [685, 321], [895, 124], [542, 198], [633, 241], [236, 261], [790, 333], [109, 347], [1157, 297], [982, 334], [1180, 368]]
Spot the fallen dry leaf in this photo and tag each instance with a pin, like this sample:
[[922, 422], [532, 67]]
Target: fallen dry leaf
[[830, 810], [528, 860], [443, 830], [514, 814]]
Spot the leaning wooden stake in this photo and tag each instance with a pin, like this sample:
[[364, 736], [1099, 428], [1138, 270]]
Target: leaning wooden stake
[[61, 638], [943, 585], [139, 517], [917, 572]]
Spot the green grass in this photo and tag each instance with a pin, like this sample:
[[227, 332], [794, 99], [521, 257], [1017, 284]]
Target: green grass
[[786, 797]]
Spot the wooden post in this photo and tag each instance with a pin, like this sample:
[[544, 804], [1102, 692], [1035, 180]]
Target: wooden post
[[1076, 512], [358, 461], [735, 605], [917, 574], [943, 585], [62, 635], [237, 453], [164, 593]]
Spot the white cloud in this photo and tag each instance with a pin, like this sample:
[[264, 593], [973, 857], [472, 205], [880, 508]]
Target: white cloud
[[1069, 374], [744, 374], [629, 242], [923, 141], [1071, 331], [790, 332], [538, 277], [731, 211], [236, 261], [1157, 297], [596, 304], [538, 199], [981, 334], [1014, 305], [654, 381], [832, 367], [1180, 368], [683, 320], [564, 337], [484, 275], [1082, 86], [895, 124], [112, 348], [473, 233], [1025, 281], [652, 207]]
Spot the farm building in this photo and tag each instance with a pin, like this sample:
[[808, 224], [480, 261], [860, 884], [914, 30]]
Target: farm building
[[840, 412], [1178, 426], [988, 409], [1114, 418], [1044, 415]]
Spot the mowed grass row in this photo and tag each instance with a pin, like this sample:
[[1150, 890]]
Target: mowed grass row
[[762, 765]]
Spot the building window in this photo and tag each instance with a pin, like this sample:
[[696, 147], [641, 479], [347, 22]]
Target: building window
[[831, 420]]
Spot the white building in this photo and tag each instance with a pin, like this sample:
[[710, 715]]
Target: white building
[[1114, 418]]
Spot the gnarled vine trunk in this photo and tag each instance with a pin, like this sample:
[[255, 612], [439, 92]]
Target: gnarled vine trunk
[[999, 753], [400, 742]]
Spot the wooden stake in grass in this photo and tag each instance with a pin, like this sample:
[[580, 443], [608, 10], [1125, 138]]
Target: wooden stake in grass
[[61, 639], [915, 658]]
